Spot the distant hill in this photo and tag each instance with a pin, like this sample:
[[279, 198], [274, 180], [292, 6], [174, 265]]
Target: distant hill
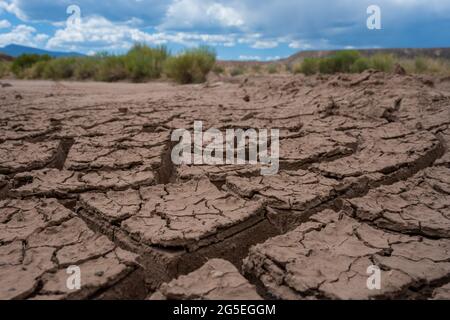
[[401, 53], [15, 50]]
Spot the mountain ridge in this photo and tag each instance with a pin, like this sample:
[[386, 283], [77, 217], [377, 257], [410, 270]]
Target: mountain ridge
[[15, 50]]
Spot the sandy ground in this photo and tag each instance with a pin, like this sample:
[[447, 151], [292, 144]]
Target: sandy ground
[[86, 180]]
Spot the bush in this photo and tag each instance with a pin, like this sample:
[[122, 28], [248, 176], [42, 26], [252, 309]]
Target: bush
[[5, 68], [420, 65], [345, 60], [25, 61], [192, 66], [237, 71], [111, 68], [327, 65], [256, 68], [218, 69], [86, 68], [37, 70], [383, 62], [60, 68], [143, 62], [360, 65], [308, 66], [340, 62], [272, 68]]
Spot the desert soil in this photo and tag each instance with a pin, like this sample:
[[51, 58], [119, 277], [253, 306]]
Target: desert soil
[[86, 180]]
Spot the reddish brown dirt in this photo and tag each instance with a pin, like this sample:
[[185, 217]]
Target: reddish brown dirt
[[86, 179]]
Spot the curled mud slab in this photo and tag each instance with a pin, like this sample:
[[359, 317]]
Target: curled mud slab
[[86, 179], [418, 206], [217, 174], [442, 293], [170, 225], [66, 184], [40, 239], [328, 257], [386, 153], [216, 280], [87, 155], [313, 148], [18, 156]]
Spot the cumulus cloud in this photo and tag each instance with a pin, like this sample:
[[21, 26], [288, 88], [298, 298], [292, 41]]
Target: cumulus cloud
[[4, 24], [24, 35], [97, 33], [195, 14], [263, 25]]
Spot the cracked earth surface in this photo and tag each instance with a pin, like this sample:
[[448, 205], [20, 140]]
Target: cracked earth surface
[[86, 180]]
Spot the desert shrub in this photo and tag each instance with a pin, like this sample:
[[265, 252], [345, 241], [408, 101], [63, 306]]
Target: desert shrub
[[382, 62], [191, 66], [143, 62], [25, 61], [36, 71], [360, 65], [111, 68], [60, 68], [308, 66], [86, 68], [218, 69], [327, 65], [256, 68], [420, 65], [345, 60], [237, 71], [289, 67], [342, 61], [272, 68], [407, 64], [5, 68]]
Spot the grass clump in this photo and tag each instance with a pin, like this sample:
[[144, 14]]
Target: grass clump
[[352, 62], [191, 66]]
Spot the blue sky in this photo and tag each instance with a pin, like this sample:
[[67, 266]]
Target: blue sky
[[237, 29]]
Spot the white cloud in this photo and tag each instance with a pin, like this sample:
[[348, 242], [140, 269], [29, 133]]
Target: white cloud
[[272, 58], [250, 58], [264, 44], [4, 24], [188, 14], [12, 7], [300, 45], [24, 35], [268, 24], [97, 34]]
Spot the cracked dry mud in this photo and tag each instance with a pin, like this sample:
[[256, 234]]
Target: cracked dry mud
[[86, 180], [216, 280]]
